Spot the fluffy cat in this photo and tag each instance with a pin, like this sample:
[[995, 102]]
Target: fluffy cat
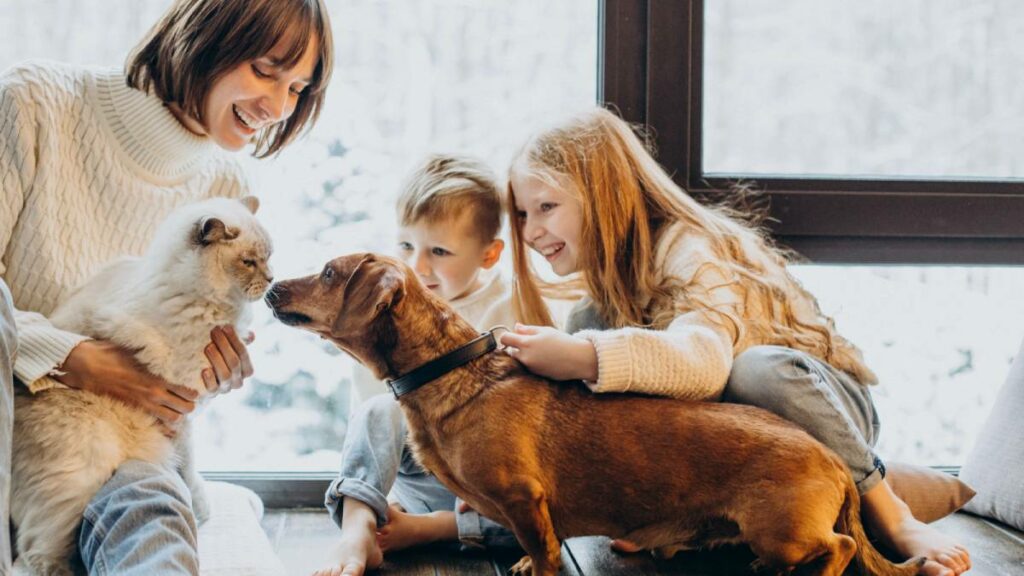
[[206, 262]]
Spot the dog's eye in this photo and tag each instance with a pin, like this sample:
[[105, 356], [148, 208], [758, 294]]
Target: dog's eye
[[249, 263], [327, 274]]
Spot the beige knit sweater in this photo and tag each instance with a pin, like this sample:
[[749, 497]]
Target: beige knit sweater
[[691, 358], [88, 168]]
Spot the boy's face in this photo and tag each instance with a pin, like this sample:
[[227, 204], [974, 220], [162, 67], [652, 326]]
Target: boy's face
[[447, 256]]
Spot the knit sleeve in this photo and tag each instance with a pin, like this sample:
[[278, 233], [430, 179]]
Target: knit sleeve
[[692, 357], [41, 347], [17, 154]]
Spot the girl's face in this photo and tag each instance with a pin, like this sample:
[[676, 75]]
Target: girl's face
[[549, 218], [253, 96]]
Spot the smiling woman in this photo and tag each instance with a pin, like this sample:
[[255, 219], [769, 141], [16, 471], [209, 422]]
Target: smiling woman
[[274, 60], [212, 75]]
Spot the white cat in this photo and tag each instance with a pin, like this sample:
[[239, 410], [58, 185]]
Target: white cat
[[207, 261]]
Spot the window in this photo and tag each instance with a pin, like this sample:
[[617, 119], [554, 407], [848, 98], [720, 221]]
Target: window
[[410, 78], [881, 133]]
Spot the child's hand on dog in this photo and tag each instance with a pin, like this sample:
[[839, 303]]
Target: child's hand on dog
[[551, 353]]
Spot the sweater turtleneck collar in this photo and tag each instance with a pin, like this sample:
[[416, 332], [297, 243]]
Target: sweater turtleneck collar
[[147, 130]]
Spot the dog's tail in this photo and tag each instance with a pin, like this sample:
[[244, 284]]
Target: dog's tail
[[868, 559]]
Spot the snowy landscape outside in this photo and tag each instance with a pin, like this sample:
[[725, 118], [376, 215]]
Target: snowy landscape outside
[[906, 88]]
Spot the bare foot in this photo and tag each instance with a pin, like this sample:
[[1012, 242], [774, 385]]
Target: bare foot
[[625, 547], [889, 519], [405, 530], [357, 551], [354, 555]]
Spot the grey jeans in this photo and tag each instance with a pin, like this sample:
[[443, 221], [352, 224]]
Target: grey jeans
[[828, 403], [376, 461], [8, 346]]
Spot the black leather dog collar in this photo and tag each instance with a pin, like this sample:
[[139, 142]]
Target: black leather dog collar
[[438, 367]]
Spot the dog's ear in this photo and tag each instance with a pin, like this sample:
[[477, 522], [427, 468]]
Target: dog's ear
[[210, 230], [374, 287]]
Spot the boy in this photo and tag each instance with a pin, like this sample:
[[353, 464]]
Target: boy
[[449, 213]]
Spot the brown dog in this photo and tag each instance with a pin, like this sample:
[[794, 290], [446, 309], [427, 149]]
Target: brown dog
[[552, 460]]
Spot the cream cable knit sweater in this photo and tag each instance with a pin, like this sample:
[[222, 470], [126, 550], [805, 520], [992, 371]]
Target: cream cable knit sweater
[[692, 357], [88, 168]]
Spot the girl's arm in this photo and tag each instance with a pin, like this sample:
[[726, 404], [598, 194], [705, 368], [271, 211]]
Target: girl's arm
[[690, 360]]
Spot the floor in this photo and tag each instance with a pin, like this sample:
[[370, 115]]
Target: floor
[[303, 537]]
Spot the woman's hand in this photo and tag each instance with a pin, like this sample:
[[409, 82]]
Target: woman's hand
[[229, 360], [104, 368], [552, 353]]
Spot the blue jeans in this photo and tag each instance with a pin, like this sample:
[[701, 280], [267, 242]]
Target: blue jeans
[[8, 346], [140, 523], [829, 404], [376, 461]]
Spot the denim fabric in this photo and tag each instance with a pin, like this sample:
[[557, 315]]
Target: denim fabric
[[8, 346], [140, 523], [376, 461], [829, 404]]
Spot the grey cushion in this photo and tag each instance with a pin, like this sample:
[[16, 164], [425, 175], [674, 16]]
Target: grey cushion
[[995, 466]]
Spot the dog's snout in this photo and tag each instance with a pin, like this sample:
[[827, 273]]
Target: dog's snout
[[276, 295]]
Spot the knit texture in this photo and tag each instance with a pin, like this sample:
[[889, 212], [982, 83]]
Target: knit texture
[[690, 358], [88, 169]]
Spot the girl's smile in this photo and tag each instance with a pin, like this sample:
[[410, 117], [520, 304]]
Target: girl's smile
[[550, 218]]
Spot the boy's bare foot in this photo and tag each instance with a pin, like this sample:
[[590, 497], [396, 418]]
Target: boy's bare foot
[[357, 551], [405, 530], [889, 519]]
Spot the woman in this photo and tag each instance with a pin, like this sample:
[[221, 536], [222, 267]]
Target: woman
[[90, 161]]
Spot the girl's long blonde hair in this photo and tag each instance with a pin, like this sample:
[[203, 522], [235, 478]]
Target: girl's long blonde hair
[[627, 201]]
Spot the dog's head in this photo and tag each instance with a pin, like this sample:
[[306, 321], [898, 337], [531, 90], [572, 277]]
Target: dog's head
[[347, 302]]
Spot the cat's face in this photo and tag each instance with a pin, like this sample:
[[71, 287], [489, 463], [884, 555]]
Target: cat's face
[[246, 262], [236, 254]]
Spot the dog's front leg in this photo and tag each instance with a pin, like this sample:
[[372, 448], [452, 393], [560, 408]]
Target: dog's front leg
[[526, 508]]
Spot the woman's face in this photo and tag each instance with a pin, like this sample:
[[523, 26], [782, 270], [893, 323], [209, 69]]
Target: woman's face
[[253, 96], [550, 219]]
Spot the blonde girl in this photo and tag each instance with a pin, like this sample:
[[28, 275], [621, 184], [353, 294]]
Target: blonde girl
[[688, 301], [91, 160]]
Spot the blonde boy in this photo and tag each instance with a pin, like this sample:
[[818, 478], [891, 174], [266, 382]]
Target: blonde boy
[[449, 216]]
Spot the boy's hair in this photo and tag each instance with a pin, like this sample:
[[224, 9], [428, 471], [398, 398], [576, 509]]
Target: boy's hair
[[197, 42], [445, 187], [627, 200]]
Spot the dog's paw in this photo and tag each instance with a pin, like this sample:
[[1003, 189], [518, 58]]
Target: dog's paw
[[522, 568]]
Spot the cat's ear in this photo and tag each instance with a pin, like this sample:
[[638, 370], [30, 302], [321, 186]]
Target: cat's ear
[[210, 230], [250, 202]]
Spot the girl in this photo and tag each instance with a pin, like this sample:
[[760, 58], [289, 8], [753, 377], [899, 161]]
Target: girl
[[90, 161], [689, 302]]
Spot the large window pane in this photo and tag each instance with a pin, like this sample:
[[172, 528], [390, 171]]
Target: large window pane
[[915, 88], [410, 78], [941, 340]]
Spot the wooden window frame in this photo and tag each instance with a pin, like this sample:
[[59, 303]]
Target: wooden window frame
[[652, 72]]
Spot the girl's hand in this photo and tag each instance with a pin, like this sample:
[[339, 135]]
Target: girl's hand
[[552, 353], [229, 360], [104, 368]]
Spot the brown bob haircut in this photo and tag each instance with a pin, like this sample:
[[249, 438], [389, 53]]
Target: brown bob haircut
[[199, 41]]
